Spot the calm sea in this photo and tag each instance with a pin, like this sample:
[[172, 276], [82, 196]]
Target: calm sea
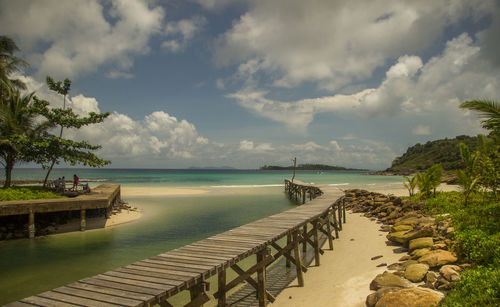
[[31, 266]]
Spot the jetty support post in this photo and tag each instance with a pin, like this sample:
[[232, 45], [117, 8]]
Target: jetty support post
[[316, 242], [343, 206], [304, 196], [264, 257], [83, 221], [261, 278], [221, 277], [31, 224], [199, 295], [339, 209], [298, 260], [288, 242], [304, 244]]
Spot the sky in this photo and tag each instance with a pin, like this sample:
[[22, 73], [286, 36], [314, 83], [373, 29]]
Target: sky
[[212, 83]]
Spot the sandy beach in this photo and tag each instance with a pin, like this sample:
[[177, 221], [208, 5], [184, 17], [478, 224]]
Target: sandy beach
[[344, 275]]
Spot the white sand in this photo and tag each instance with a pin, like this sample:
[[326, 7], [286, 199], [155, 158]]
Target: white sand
[[160, 191], [344, 274]]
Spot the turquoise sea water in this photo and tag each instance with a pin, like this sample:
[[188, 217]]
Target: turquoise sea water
[[28, 266]]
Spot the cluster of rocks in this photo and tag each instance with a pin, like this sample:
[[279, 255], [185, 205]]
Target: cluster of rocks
[[16, 226], [428, 268]]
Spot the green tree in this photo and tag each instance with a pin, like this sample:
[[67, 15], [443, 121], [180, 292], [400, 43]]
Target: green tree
[[410, 184], [18, 126], [51, 149]]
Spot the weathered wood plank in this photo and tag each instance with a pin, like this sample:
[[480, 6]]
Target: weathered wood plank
[[112, 299], [112, 291], [41, 301], [73, 299], [122, 286]]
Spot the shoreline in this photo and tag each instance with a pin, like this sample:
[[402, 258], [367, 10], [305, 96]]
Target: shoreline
[[100, 222]]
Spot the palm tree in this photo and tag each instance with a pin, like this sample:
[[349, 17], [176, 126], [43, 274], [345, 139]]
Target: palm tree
[[9, 63], [489, 110], [18, 129]]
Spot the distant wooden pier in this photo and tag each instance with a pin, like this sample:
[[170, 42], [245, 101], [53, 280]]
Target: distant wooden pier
[[102, 197], [152, 281]]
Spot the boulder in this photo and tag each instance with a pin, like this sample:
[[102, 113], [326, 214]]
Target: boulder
[[409, 298], [402, 228], [419, 232], [419, 252], [450, 272], [437, 258], [373, 298], [398, 237], [425, 242], [389, 280], [416, 272]]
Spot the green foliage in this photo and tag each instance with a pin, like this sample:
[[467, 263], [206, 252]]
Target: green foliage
[[423, 156], [476, 245], [410, 184], [476, 287], [25, 193], [476, 240], [429, 180], [50, 149], [9, 63], [488, 110]]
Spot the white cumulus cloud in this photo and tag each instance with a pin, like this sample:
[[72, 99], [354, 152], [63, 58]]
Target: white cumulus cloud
[[72, 38]]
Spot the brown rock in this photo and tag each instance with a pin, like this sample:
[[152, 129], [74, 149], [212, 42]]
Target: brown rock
[[398, 237], [416, 272], [425, 242], [437, 258], [373, 298], [402, 228], [419, 232], [389, 280], [409, 298], [404, 258], [450, 272], [419, 252]]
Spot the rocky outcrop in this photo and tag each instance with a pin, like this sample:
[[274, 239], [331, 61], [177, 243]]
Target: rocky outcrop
[[427, 267]]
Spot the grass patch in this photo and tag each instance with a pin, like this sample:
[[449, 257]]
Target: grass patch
[[25, 193], [476, 240]]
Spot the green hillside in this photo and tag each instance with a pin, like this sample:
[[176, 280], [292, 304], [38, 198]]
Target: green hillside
[[423, 156]]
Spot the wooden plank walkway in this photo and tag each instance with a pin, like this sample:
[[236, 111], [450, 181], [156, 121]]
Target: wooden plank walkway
[[152, 281]]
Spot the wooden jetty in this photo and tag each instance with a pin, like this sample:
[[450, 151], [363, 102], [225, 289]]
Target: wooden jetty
[[152, 281], [103, 196]]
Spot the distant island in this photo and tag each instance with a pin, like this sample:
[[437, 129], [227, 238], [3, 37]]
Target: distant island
[[309, 167]]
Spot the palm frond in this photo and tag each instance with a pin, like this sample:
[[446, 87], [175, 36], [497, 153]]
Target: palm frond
[[487, 109]]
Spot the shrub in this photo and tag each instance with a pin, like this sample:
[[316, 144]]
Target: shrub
[[477, 287]]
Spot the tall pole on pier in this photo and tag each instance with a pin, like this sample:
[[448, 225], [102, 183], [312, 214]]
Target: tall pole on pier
[[294, 166]]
